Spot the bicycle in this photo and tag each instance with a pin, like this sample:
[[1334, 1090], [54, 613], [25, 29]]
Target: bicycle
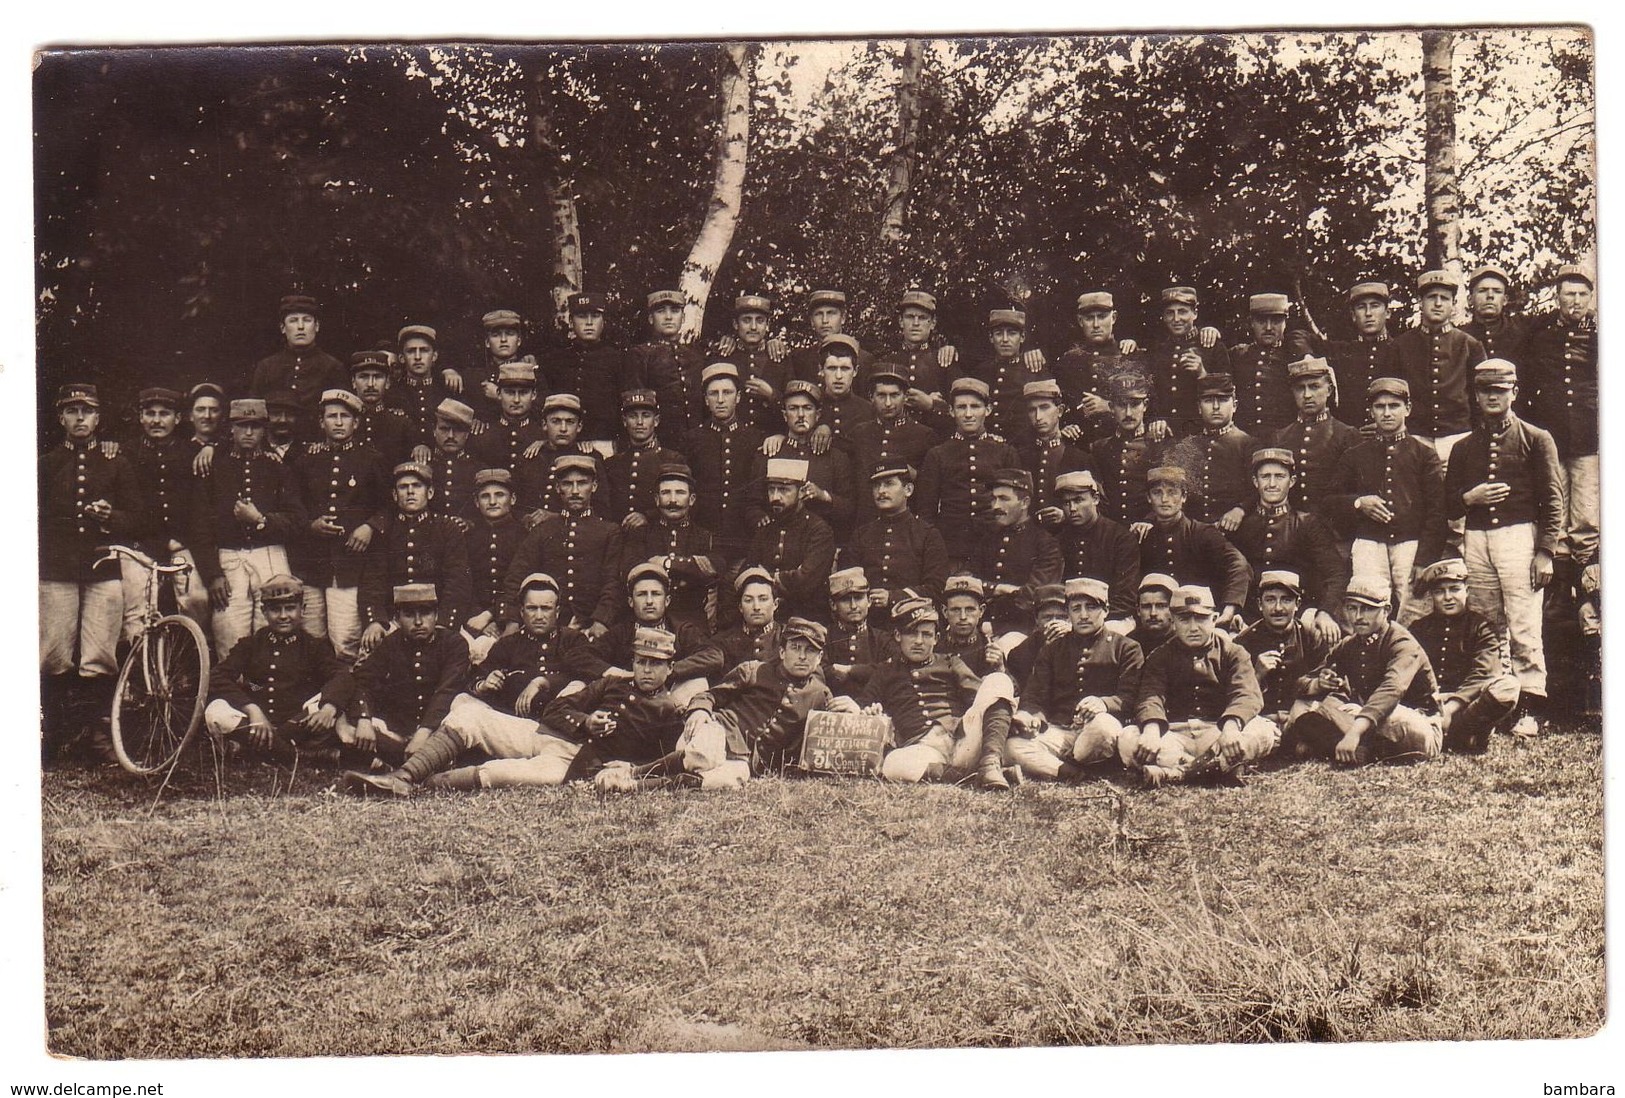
[[163, 683]]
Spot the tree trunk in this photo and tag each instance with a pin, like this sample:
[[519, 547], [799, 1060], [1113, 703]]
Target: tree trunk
[[727, 188], [908, 135], [561, 203], [1443, 247]]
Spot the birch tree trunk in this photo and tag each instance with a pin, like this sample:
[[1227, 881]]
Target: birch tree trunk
[[908, 134], [1443, 245], [561, 203], [727, 188]]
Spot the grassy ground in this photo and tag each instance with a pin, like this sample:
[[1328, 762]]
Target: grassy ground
[[1462, 899]]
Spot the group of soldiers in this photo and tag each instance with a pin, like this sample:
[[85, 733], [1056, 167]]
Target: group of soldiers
[[647, 565]]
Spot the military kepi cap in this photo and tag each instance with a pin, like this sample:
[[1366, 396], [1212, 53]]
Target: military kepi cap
[[1049, 594], [1489, 270], [801, 388], [1573, 271], [891, 467], [1167, 474], [1440, 571], [248, 411], [1369, 590], [654, 644], [493, 476], [847, 581], [369, 360], [414, 594], [1158, 580], [1309, 367], [1179, 295], [970, 386], [539, 581], [649, 569], [169, 398], [455, 411], [586, 303], [1095, 301], [826, 297], [1219, 385], [919, 299], [666, 297], [501, 318], [1388, 386], [789, 470], [963, 583], [719, 370], [420, 331], [575, 463], [1267, 304], [1361, 290], [78, 392], [281, 588], [1281, 577], [1079, 480], [675, 471], [1019, 479], [639, 398], [755, 574], [810, 631], [752, 303], [1192, 599], [1280, 455], [297, 303], [1495, 373], [562, 402], [1442, 280], [413, 469], [1087, 587], [1006, 318], [907, 613], [516, 375], [344, 398]]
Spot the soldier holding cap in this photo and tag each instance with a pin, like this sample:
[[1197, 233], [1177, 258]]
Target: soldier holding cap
[[162, 462], [1465, 651], [759, 362], [720, 453], [450, 463], [828, 489], [1199, 709], [300, 365], [1389, 492], [1370, 354], [414, 546], [1094, 545], [1274, 536], [1178, 356], [755, 595], [1437, 358], [1047, 453], [794, 544], [753, 720], [630, 473], [948, 721], [1013, 555], [1563, 378], [1122, 458], [516, 436], [385, 428], [1318, 441], [503, 334], [280, 688], [1374, 697], [826, 317], [854, 646], [86, 500], [648, 595], [573, 544], [1153, 611], [492, 538], [1506, 480], [1284, 650], [1081, 687], [921, 364], [245, 514], [685, 550], [1217, 456], [1196, 552], [888, 435], [898, 550], [404, 687], [1502, 335], [344, 489], [1003, 372], [668, 365], [956, 478], [592, 369], [1263, 400]]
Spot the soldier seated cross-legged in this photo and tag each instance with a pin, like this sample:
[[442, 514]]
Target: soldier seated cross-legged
[[1477, 691]]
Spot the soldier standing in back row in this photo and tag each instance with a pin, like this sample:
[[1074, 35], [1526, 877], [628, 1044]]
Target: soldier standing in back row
[[1178, 358], [1563, 380], [1263, 399], [1086, 370], [668, 366], [591, 369], [956, 480], [1122, 458], [1318, 441], [1370, 354], [920, 365], [1437, 359], [889, 436], [300, 365], [1501, 335], [629, 489], [1004, 372], [720, 452]]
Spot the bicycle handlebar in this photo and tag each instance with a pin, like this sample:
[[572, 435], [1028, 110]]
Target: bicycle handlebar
[[114, 552]]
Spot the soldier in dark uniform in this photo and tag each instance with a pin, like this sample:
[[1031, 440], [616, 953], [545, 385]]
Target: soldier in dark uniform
[[1389, 493], [1004, 372], [1085, 371], [921, 364], [1196, 552], [964, 634], [423, 384], [1013, 555], [826, 316], [281, 428], [414, 546], [1080, 689], [720, 453], [1153, 611], [842, 408], [280, 687], [490, 542], [86, 499], [515, 437], [1095, 546], [669, 366], [206, 413], [1318, 441], [956, 479], [1375, 696], [829, 489], [404, 687], [561, 437], [504, 332], [949, 720], [1465, 651], [1500, 334], [648, 594], [1050, 622], [792, 542], [898, 550], [593, 370], [891, 436], [450, 463], [1121, 459], [163, 472], [1216, 457], [1178, 357], [1437, 358], [1563, 378], [1263, 400], [343, 491], [628, 723], [1370, 354], [756, 597], [629, 489], [381, 426], [685, 550], [1273, 536], [1047, 453], [855, 647], [761, 377], [300, 365], [575, 544], [1284, 650]]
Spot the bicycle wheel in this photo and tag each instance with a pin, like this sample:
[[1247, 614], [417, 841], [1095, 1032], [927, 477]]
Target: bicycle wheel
[[162, 688]]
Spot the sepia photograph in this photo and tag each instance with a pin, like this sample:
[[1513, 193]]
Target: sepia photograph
[[827, 542]]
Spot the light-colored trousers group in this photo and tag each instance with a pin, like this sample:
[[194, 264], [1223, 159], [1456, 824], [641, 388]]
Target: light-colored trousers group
[[1187, 748]]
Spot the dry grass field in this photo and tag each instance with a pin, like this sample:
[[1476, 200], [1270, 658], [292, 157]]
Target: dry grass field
[[1458, 900]]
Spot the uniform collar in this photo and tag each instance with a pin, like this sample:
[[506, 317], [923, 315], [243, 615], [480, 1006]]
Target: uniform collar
[[723, 428], [1320, 417], [1276, 511]]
